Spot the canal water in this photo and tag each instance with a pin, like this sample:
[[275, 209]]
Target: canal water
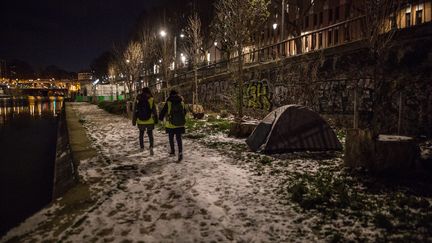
[[28, 133]]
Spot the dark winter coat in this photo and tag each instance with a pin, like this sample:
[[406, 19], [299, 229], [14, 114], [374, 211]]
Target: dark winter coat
[[170, 128], [144, 100]]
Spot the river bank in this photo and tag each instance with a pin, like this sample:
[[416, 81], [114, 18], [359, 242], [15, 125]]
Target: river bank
[[221, 192]]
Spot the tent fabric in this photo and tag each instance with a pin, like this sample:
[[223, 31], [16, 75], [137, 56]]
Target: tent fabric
[[293, 128]]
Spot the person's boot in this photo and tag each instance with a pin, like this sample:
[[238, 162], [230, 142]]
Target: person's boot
[[151, 151], [180, 156], [172, 153]]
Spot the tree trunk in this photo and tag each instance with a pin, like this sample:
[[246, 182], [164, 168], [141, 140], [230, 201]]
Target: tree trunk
[[240, 84], [196, 84], [94, 95]]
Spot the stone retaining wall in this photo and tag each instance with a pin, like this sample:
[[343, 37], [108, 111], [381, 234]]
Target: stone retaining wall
[[326, 81]]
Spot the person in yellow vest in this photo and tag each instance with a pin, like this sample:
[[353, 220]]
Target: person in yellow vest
[[146, 116], [175, 112]]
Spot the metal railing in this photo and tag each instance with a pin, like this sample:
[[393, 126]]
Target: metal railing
[[336, 35], [331, 36]]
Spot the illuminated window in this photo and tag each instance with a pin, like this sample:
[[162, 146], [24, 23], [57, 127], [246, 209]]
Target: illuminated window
[[408, 19], [419, 14], [306, 42]]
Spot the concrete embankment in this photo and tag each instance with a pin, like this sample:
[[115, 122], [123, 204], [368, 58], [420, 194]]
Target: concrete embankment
[[65, 175], [73, 195], [72, 147], [80, 145]]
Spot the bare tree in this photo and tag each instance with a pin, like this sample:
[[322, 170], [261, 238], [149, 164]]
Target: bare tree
[[113, 71], [193, 45], [165, 51], [377, 24], [130, 63], [235, 22], [147, 40], [379, 31], [298, 11]]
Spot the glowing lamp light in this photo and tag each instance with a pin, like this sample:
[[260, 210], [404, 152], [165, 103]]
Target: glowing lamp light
[[163, 33], [275, 26], [182, 35], [215, 43]]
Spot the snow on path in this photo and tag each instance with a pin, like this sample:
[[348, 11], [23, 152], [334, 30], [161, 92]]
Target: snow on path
[[139, 197]]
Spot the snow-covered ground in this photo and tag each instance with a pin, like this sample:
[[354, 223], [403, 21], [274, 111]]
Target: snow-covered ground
[[155, 199], [219, 193]]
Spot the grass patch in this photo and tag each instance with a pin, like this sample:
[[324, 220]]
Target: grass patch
[[195, 136], [321, 191], [338, 194], [265, 160], [212, 125]]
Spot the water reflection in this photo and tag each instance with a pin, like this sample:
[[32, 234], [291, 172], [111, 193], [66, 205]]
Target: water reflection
[[28, 135], [35, 108]]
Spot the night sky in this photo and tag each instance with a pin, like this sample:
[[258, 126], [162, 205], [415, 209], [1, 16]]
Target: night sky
[[66, 33]]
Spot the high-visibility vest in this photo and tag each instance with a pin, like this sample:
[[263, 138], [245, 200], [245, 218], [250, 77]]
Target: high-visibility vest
[[167, 122], [150, 121]]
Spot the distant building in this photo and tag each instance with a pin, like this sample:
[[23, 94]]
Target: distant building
[[313, 25], [85, 77], [3, 69]]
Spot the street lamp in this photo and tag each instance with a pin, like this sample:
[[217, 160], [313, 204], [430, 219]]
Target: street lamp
[[275, 26], [215, 46], [183, 58], [163, 34]]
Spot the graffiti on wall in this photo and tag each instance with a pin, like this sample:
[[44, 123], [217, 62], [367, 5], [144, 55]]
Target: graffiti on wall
[[212, 91], [328, 96], [257, 95]]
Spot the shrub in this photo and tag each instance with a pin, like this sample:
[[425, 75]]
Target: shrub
[[117, 107]]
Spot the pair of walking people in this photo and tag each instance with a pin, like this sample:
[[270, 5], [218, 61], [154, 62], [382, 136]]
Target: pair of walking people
[[145, 117]]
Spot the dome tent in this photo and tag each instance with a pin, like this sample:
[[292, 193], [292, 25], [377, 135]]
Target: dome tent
[[293, 128]]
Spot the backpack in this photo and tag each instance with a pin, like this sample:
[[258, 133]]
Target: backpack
[[144, 109], [177, 115]]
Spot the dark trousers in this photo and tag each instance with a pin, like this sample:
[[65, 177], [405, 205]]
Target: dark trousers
[[179, 141], [141, 137]]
